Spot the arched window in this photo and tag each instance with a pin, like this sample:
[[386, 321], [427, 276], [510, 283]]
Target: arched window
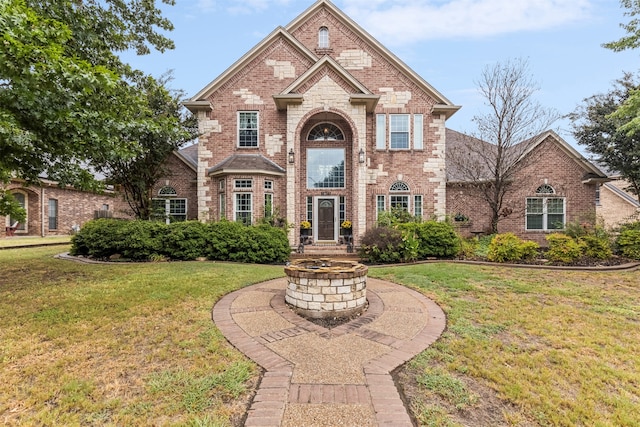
[[398, 186], [399, 201], [167, 191], [325, 131], [323, 38], [545, 189], [545, 212]]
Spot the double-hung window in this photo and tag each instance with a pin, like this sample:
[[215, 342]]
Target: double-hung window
[[243, 207], [545, 212], [247, 129], [399, 131], [243, 202], [170, 210]]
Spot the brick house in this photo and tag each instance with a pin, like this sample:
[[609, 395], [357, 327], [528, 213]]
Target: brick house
[[319, 122], [54, 210], [554, 185]]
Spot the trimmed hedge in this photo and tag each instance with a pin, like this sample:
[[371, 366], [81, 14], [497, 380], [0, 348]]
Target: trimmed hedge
[[409, 241], [146, 240]]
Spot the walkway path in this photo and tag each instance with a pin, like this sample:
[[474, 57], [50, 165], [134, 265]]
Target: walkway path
[[320, 377]]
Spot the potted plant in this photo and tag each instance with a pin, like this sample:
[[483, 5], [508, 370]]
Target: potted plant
[[346, 227], [305, 228]]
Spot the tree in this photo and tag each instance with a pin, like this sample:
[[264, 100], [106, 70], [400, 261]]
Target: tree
[[489, 158], [628, 112], [66, 99], [174, 127], [604, 134]]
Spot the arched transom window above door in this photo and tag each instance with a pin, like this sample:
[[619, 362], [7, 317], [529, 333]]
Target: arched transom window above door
[[325, 132]]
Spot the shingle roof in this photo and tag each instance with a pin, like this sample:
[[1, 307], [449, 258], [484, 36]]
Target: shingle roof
[[246, 163]]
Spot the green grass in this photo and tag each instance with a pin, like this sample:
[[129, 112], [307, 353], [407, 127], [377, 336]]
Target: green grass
[[134, 344], [126, 344], [9, 242], [553, 347]]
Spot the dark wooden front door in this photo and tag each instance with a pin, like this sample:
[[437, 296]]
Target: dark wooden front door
[[326, 219]]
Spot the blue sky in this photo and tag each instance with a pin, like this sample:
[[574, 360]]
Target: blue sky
[[447, 42]]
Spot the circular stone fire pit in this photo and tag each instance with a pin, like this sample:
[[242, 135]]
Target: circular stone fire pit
[[323, 288]]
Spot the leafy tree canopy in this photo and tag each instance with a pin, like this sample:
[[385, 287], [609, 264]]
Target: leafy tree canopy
[[628, 113], [603, 133], [66, 100]]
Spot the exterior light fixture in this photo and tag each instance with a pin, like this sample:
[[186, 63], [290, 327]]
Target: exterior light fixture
[[361, 156], [291, 156]]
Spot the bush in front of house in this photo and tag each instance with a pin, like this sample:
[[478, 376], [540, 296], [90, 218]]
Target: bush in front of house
[[99, 239], [435, 238], [507, 247], [382, 244], [147, 240], [186, 240], [409, 241], [628, 241], [564, 248]]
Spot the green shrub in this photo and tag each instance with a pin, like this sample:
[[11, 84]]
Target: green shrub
[[436, 238], [141, 239], [186, 240], [99, 239], [382, 244], [152, 240], [628, 242], [468, 248], [597, 246], [563, 248], [508, 247]]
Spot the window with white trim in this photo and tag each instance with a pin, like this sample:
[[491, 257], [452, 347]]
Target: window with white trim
[[247, 129], [243, 207], [167, 191], [268, 185], [399, 131], [268, 204], [171, 210], [545, 212], [323, 38], [243, 184], [380, 203], [418, 142], [223, 206], [417, 206], [381, 131]]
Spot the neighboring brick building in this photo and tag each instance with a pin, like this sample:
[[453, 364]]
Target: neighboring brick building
[[53, 210], [615, 205]]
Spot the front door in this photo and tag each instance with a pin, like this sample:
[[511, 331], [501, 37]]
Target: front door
[[326, 219]]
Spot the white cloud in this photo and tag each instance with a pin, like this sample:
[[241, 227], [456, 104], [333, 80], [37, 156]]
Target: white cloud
[[406, 21]]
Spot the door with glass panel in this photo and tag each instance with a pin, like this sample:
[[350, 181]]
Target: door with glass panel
[[326, 222]]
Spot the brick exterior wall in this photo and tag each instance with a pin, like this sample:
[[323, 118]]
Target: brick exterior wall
[[182, 178], [548, 164], [74, 208], [613, 209]]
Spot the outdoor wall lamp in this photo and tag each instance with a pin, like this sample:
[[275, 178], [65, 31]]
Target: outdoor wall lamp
[[291, 156], [361, 156]]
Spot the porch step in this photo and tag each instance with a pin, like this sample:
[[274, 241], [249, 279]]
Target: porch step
[[325, 251]]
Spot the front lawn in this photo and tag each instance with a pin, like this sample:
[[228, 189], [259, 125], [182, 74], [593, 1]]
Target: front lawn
[[133, 344]]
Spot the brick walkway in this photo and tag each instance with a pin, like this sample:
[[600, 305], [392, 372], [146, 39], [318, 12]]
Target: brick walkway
[[319, 377]]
